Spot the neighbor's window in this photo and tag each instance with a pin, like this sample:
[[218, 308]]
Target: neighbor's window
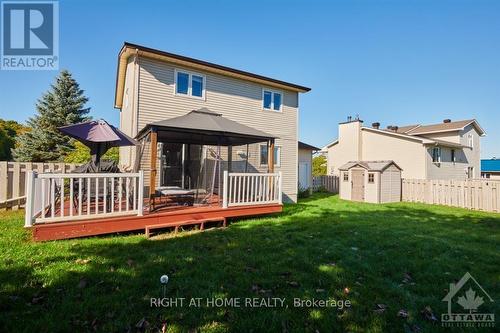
[[263, 155], [371, 178], [189, 84], [346, 176], [436, 155], [271, 100], [470, 140], [453, 157]]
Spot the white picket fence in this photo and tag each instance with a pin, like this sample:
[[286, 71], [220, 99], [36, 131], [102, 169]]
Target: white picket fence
[[13, 179], [481, 194], [329, 183], [77, 196], [243, 189]]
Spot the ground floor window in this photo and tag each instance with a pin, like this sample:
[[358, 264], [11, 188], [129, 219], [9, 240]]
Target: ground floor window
[[371, 178], [264, 156]]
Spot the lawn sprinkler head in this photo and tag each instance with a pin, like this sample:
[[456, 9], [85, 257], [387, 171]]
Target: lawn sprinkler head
[[164, 279]]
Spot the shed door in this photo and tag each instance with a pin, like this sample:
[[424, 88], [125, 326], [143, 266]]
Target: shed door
[[358, 185]]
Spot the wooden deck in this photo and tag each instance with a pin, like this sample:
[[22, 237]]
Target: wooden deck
[[168, 217]]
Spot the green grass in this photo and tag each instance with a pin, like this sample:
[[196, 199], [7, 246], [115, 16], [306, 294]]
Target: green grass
[[315, 249]]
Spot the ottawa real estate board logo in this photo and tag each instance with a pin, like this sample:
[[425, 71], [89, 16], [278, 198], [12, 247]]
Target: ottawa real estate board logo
[[465, 299], [30, 35]]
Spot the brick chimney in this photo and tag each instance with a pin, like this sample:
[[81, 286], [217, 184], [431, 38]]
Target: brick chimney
[[376, 125], [446, 121]]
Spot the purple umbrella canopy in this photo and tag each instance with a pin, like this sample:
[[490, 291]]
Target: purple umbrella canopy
[[99, 136]]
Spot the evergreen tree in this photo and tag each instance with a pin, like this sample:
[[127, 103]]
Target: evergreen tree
[[63, 105]]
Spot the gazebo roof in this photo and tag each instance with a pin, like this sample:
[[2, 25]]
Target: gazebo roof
[[205, 127]]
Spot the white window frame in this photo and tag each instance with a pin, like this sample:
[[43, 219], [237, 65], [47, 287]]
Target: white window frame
[[439, 154], [277, 162], [272, 91], [190, 84]]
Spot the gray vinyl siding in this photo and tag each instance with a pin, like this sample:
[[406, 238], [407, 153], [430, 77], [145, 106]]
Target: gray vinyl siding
[[236, 99], [465, 157]]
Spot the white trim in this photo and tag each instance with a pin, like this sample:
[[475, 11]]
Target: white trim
[[190, 84], [272, 91], [277, 162]]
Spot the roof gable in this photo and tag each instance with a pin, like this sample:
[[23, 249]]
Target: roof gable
[[130, 49]]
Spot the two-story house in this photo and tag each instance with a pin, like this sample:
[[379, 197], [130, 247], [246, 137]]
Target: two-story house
[[448, 150], [154, 86]]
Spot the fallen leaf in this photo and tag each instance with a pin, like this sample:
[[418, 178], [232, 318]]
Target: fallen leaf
[[354, 248], [82, 261], [130, 263], [320, 290], [294, 284], [380, 308], [428, 314], [142, 324], [347, 290], [407, 278], [403, 313]]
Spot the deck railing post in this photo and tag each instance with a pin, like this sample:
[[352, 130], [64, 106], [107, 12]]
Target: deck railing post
[[140, 196], [280, 186], [224, 189], [30, 196]]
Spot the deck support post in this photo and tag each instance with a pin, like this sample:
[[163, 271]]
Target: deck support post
[[270, 156], [229, 158], [224, 190], [30, 202], [140, 194], [154, 157]]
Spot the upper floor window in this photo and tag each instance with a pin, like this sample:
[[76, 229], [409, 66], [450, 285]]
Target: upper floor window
[[453, 157], [264, 156], [436, 155], [470, 140], [272, 100], [189, 84]]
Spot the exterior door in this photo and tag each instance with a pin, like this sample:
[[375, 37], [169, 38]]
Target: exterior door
[[172, 164], [358, 185], [304, 175]]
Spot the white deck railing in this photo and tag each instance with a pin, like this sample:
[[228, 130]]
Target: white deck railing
[[243, 189], [79, 196]]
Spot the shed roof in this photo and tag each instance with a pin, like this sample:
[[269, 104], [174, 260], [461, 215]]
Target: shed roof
[[303, 145], [370, 165]]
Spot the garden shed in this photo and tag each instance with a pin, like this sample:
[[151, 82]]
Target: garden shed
[[370, 181]]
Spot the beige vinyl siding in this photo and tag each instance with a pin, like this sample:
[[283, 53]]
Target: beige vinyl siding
[[407, 153], [235, 99], [127, 114], [372, 189]]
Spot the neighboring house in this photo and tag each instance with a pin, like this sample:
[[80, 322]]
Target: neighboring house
[[490, 168], [305, 164], [154, 86], [449, 150]]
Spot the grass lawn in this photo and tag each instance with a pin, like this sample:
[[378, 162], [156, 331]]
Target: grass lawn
[[403, 256]]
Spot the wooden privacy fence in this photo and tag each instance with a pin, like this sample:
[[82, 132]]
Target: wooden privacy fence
[[471, 194], [13, 179], [327, 182]]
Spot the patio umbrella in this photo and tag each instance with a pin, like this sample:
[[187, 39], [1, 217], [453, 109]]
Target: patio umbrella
[[99, 136]]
